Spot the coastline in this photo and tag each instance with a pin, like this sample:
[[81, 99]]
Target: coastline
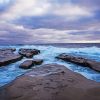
[[51, 82], [54, 78]]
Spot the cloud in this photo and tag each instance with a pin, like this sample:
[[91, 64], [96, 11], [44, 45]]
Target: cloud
[[12, 34], [26, 8], [34, 21], [57, 14], [72, 12], [68, 10]]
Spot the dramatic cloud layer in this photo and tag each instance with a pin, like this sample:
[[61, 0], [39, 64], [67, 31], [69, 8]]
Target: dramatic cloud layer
[[68, 10], [12, 34], [35, 21]]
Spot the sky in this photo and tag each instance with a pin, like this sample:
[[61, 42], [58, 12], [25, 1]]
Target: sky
[[49, 21]]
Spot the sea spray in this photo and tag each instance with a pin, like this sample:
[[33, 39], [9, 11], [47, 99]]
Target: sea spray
[[48, 53]]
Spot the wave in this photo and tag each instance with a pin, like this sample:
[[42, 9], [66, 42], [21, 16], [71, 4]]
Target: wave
[[48, 53]]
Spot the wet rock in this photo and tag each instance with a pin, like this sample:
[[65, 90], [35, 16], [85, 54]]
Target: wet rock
[[7, 51], [80, 61], [94, 65], [29, 63], [12, 49], [26, 64], [37, 61], [7, 56], [49, 83], [28, 52]]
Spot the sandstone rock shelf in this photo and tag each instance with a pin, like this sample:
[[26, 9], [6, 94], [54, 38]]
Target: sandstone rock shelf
[[51, 82], [7, 56], [80, 61]]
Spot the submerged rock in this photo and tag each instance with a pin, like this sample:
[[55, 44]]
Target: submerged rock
[[26, 64], [28, 52], [51, 82], [37, 61], [80, 61], [7, 56]]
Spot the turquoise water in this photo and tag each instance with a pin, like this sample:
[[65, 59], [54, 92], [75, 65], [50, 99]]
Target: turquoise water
[[48, 53]]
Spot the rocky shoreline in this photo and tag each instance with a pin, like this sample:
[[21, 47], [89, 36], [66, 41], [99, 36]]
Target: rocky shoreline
[[80, 61], [49, 81], [7, 56]]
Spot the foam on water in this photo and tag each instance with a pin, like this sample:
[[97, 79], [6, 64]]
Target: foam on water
[[48, 53]]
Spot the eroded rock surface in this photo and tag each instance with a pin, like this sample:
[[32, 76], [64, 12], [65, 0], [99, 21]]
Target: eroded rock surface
[[28, 52], [37, 61], [29, 63], [80, 61], [7, 56], [26, 64], [51, 82]]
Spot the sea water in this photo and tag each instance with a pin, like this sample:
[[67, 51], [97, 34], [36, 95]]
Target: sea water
[[48, 54]]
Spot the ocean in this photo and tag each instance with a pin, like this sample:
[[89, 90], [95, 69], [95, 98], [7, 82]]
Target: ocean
[[48, 53]]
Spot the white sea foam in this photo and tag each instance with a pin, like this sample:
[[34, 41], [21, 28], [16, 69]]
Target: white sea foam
[[48, 53]]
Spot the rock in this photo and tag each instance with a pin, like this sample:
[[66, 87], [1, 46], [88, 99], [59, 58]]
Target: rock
[[12, 49], [37, 61], [28, 52], [94, 65], [51, 82], [7, 57], [80, 61], [7, 51], [29, 63], [26, 64]]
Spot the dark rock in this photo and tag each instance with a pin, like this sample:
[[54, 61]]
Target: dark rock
[[12, 49], [94, 65], [26, 64], [49, 83], [7, 57], [29, 63], [80, 61], [37, 61], [28, 52], [7, 51]]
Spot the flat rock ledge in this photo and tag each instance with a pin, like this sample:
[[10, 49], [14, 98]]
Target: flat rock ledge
[[80, 61], [51, 82], [7, 56]]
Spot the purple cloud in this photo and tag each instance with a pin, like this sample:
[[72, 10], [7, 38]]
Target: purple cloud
[[23, 22]]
